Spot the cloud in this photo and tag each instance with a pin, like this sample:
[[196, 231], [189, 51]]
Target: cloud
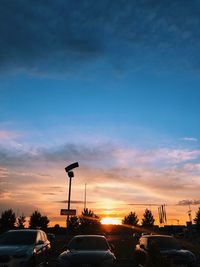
[[163, 156], [3, 172], [107, 158], [61, 36], [85, 153], [189, 139], [75, 201], [188, 202], [178, 155], [143, 204], [8, 135], [117, 155], [49, 194], [114, 174], [192, 167], [19, 206]]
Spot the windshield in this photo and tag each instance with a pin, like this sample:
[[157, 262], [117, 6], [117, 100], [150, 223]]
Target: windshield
[[88, 243], [164, 243], [18, 238]]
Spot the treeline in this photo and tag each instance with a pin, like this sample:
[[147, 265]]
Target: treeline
[[88, 221], [133, 220], [9, 220], [148, 220]]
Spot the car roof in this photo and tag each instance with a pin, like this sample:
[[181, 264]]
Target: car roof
[[24, 230], [95, 236], [152, 236]]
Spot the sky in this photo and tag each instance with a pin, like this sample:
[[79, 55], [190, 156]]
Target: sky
[[111, 84]]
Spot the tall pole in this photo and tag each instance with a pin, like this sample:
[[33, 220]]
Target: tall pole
[[190, 214], [70, 173], [69, 198], [85, 197]]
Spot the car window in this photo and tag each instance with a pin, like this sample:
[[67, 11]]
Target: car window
[[39, 236], [88, 243], [164, 242], [18, 238], [143, 241], [44, 237]]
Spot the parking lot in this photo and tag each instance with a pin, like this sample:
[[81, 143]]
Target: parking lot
[[119, 263], [123, 250]]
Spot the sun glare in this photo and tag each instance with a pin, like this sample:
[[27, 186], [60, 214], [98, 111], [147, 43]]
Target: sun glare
[[109, 220]]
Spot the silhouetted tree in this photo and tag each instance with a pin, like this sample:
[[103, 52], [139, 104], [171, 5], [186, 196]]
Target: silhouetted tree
[[21, 221], [44, 223], [148, 219], [131, 219], [8, 219], [197, 220], [87, 213], [57, 227], [35, 219], [73, 224], [38, 221], [89, 221]]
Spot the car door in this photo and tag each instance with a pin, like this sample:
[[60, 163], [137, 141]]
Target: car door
[[46, 246], [39, 249]]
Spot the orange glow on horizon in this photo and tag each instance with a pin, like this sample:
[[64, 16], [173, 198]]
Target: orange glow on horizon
[[110, 220]]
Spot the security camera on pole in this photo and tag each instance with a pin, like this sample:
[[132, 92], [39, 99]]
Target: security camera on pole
[[67, 211]]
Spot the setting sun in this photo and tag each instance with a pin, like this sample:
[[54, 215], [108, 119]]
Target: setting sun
[[109, 220]]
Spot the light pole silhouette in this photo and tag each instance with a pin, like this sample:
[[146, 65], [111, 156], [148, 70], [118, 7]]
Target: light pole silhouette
[[70, 173]]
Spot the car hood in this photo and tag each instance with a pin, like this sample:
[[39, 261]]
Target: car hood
[[13, 250], [89, 256], [175, 251], [179, 254]]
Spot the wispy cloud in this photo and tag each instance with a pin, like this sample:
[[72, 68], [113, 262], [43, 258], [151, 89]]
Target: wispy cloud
[[140, 176], [189, 139], [9, 135], [76, 201], [188, 202]]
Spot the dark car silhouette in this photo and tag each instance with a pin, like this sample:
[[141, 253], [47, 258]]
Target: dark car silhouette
[[168, 247], [24, 248], [88, 251]]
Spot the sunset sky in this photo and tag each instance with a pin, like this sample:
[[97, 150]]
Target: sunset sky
[[112, 84]]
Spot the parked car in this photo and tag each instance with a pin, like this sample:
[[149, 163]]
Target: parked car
[[24, 248], [52, 238], [87, 250], [169, 248]]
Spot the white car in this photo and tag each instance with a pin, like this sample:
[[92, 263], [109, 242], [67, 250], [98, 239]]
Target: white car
[[24, 248]]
